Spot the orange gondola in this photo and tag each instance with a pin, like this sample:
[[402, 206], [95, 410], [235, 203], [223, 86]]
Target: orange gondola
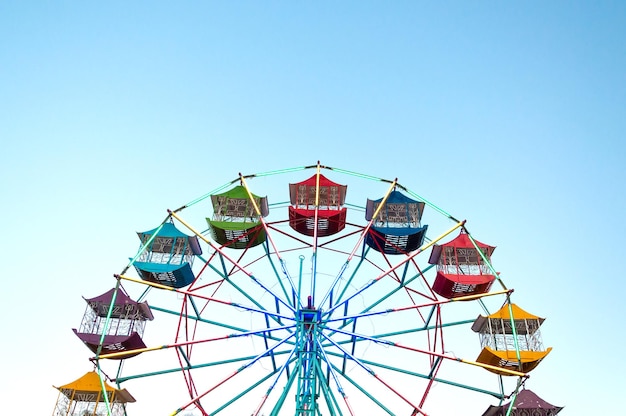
[[85, 396], [510, 339]]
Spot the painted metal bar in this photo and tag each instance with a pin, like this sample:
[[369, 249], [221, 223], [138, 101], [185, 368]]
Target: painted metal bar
[[208, 321], [333, 374], [330, 399], [364, 391], [193, 367], [401, 263], [514, 398], [207, 195], [315, 236], [278, 172], [250, 298], [435, 379], [242, 394], [356, 174], [371, 372], [424, 376], [514, 333], [198, 397], [300, 277], [269, 238], [425, 328], [356, 246], [230, 281], [432, 353], [380, 300], [424, 305], [474, 363], [208, 298], [358, 338], [413, 194], [499, 396], [221, 382], [232, 261], [145, 245], [184, 343], [304, 392], [103, 390], [278, 374], [105, 330], [485, 260], [281, 400], [389, 294], [369, 224], [352, 276], [428, 203]]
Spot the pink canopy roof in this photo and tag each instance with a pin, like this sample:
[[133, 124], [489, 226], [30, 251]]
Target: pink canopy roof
[[331, 194], [463, 241], [312, 181]]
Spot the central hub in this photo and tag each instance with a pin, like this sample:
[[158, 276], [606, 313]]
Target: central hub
[[309, 316]]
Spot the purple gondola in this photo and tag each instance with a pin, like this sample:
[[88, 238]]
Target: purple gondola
[[125, 328]]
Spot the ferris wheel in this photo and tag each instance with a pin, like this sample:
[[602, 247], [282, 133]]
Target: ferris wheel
[[306, 291]]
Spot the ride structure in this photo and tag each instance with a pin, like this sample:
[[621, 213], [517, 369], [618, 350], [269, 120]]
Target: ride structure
[[314, 300]]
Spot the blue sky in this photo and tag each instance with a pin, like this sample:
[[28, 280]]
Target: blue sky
[[509, 114]]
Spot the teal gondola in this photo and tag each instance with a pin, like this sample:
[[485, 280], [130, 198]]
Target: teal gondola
[[167, 257]]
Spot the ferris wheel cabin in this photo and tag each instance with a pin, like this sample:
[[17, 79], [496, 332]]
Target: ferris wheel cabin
[[85, 397], [526, 403], [461, 269], [317, 206], [510, 339], [126, 324], [166, 256], [396, 228], [236, 223]]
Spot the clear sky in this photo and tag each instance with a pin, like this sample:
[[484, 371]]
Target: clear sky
[[509, 114]]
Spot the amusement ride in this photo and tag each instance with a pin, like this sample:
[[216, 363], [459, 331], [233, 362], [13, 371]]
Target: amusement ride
[[308, 291]]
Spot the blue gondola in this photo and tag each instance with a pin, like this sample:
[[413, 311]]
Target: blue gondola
[[397, 228]]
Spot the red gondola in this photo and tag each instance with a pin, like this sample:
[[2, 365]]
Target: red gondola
[[461, 269], [317, 201]]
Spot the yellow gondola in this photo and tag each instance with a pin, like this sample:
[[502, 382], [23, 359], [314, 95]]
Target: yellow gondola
[[511, 347], [84, 396]]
